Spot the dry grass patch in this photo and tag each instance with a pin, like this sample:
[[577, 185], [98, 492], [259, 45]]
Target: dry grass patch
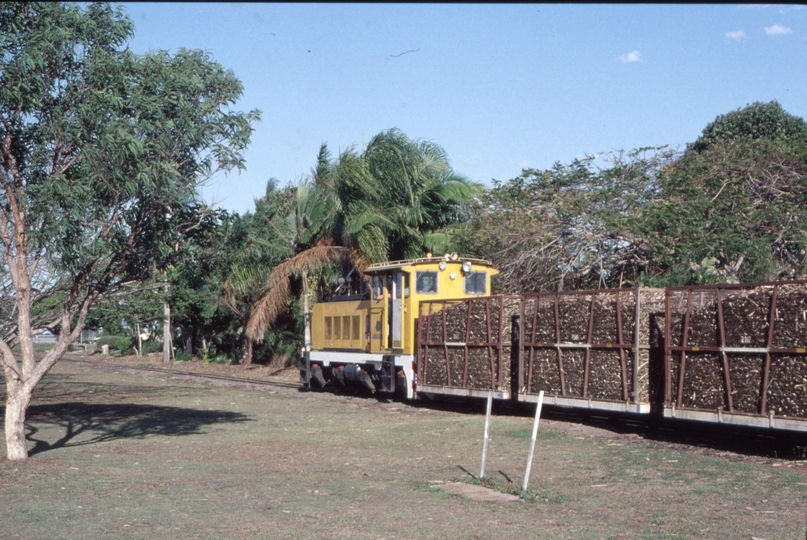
[[130, 455]]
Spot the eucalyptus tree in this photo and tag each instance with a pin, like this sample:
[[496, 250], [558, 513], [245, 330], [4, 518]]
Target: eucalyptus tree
[[100, 154]]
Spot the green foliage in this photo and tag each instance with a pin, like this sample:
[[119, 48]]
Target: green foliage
[[124, 345], [214, 357], [731, 213], [110, 341], [151, 346], [756, 121], [394, 200], [198, 314], [103, 149], [181, 355], [729, 209]]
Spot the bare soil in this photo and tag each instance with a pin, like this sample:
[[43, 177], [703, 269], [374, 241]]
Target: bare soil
[[125, 454]]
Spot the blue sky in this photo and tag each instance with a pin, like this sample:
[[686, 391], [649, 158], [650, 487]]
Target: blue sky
[[500, 87]]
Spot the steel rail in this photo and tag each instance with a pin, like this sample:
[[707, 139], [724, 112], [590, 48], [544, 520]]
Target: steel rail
[[195, 374]]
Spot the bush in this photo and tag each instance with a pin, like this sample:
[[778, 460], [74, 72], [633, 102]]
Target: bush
[[151, 347], [182, 355], [107, 340], [124, 345]]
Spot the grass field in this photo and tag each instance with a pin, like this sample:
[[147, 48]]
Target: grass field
[[120, 454]]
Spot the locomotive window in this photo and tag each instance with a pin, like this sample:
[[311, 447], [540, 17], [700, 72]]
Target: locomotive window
[[328, 327], [346, 327], [378, 293], [356, 328], [337, 327], [426, 282], [476, 283], [398, 278]]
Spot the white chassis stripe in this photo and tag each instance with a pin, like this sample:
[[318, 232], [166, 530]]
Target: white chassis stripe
[[403, 361]]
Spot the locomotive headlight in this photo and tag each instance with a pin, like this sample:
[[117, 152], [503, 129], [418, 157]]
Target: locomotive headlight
[[442, 265], [466, 267]]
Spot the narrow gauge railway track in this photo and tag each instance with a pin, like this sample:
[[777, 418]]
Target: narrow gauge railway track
[[735, 439], [748, 444], [183, 373]]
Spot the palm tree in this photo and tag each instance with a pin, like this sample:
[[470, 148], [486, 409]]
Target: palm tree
[[255, 244], [392, 201]]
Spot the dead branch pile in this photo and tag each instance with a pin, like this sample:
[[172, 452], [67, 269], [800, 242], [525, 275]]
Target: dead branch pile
[[467, 344]]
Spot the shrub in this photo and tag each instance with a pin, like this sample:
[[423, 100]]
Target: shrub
[[111, 341], [124, 345], [151, 347]]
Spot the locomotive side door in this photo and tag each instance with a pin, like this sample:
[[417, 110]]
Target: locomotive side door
[[396, 318]]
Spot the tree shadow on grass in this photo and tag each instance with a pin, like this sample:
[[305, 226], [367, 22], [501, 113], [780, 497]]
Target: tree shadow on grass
[[92, 423]]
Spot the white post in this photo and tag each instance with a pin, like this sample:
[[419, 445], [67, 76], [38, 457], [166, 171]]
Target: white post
[[532, 440], [306, 315], [487, 432], [166, 331]]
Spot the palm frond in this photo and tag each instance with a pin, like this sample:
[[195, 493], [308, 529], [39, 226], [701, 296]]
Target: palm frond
[[267, 309], [276, 291], [360, 221], [309, 261]]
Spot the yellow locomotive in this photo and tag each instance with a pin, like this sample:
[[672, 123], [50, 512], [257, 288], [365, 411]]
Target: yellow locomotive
[[365, 334]]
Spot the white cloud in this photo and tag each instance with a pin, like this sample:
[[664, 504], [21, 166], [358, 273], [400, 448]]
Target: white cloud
[[737, 34], [777, 30], [633, 56]]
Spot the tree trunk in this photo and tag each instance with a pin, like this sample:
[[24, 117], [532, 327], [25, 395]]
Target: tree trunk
[[17, 401], [306, 316], [246, 349], [139, 340]]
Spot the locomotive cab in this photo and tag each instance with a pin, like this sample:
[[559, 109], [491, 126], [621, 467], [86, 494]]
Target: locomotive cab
[[365, 334]]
